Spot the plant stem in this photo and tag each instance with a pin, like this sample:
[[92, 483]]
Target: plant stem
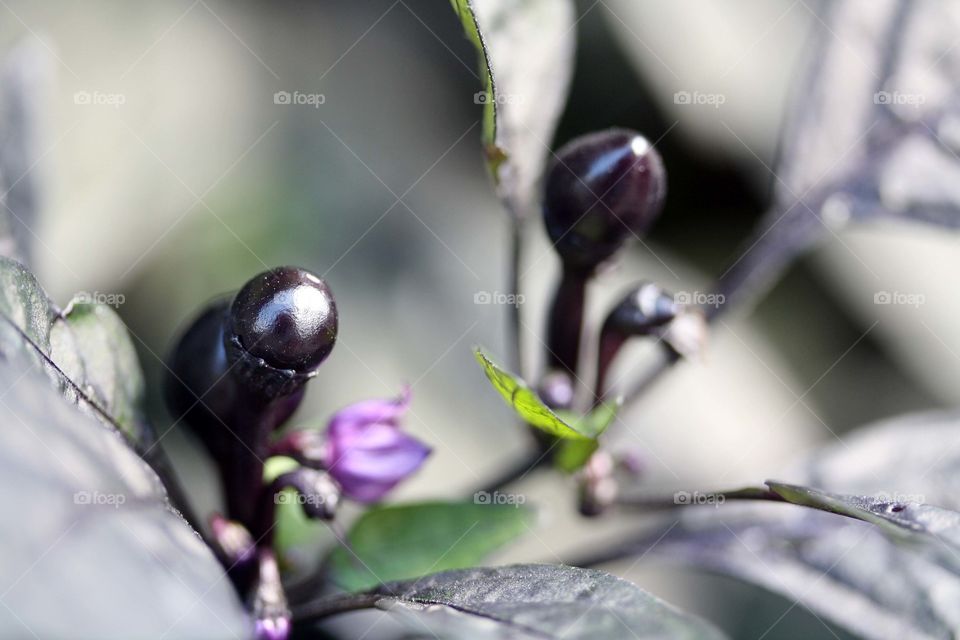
[[565, 322], [516, 471], [514, 320], [638, 545]]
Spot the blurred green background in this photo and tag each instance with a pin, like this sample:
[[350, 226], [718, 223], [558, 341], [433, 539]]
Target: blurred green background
[[179, 177]]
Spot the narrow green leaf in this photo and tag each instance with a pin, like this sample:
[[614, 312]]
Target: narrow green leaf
[[526, 402], [525, 52], [399, 542], [571, 455]]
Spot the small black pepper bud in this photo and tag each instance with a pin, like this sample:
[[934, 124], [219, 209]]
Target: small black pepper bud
[[644, 310], [603, 189]]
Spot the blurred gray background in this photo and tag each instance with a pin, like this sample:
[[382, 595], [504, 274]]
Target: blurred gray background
[[171, 171]]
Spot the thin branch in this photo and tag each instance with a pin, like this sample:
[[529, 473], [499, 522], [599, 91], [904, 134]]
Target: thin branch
[[686, 499], [516, 471], [514, 320], [333, 605]]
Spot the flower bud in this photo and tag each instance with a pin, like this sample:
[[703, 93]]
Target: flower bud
[[234, 540], [598, 485], [367, 453], [317, 492]]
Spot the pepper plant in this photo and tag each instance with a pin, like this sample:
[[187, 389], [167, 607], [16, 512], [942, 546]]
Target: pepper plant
[[872, 548]]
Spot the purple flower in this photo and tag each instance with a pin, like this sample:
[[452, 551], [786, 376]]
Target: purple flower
[[367, 453]]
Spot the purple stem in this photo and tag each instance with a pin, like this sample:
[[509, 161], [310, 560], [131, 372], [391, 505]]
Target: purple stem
[[565, 323]]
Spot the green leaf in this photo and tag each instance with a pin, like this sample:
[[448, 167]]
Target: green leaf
[[111, 369], [524, 602], [527, 403], [571, 455], [525, 51], [398, 542], [86, 350]]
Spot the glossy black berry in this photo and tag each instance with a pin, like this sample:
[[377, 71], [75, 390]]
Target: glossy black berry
[[287, 317], [602, 190]]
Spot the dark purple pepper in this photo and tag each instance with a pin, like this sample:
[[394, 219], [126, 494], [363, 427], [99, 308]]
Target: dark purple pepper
[[644, 310], [238, 373], [602, 190]]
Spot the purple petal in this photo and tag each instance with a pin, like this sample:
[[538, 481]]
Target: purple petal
[[373, 465], [369, 411]]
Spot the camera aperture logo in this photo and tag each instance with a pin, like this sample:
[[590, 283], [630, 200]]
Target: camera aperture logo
[[302, 499], [699, 98], [484, 97], [99, 499], [697, 498], [99, 98], [299, 98], [485, 497], [496, 297], [899, 98], [96, 297], [915, 300], [699, 299]]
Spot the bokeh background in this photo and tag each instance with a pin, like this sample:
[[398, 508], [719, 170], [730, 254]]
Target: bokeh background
[[168, 173]]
